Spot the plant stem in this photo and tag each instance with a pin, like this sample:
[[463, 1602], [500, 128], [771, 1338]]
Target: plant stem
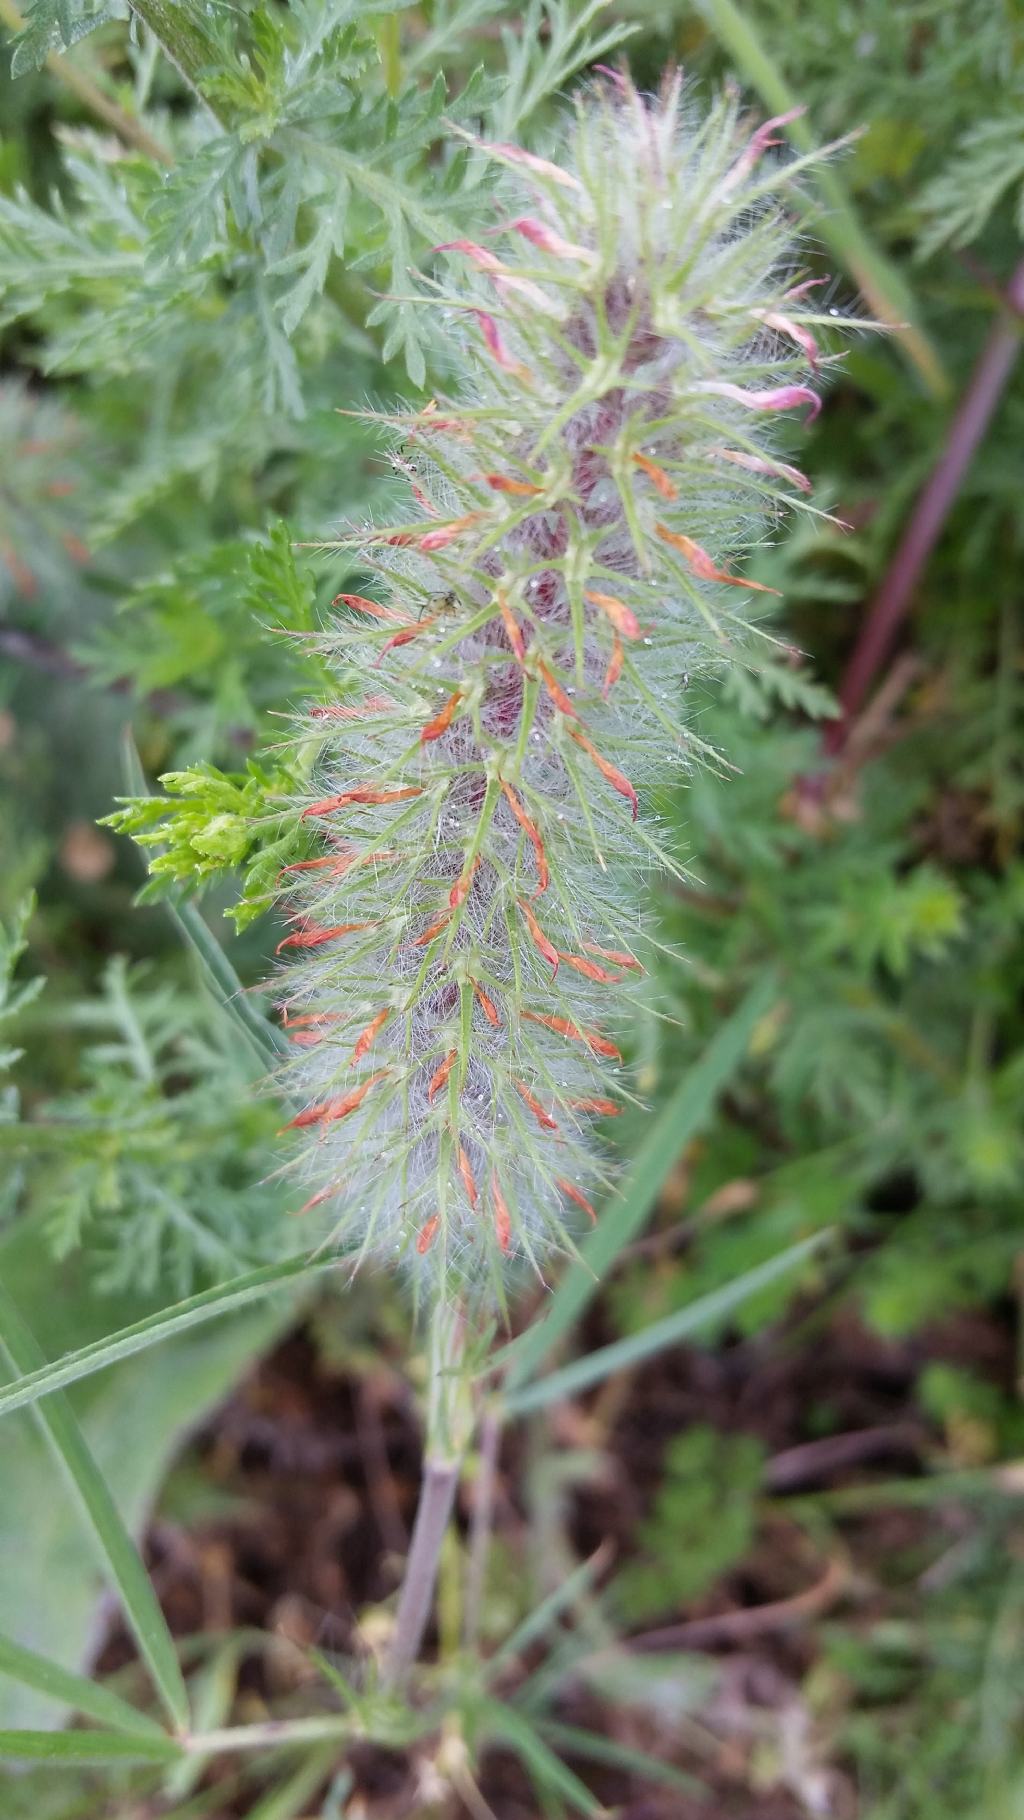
[[483, 1521], [890, 605], [447, 1432], [437, 1496], [85, 90]]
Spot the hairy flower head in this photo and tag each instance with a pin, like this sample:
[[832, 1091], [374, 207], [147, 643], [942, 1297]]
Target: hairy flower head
[[466, 938]]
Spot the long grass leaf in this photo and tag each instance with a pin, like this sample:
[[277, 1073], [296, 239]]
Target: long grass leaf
[[570, 1739], [676, 1124], [90, 1698], [83, 1747], [705, 1312], [155, 1328], [223, 982], [548, 1771], [544, 1615], [57, 1421]]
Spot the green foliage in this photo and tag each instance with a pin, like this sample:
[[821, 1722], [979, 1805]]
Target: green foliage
[[209, 824], [153, 1159], [952, 1669], [986, 166], [760, 691], [54, 24], [14, 999], [702, 1523]]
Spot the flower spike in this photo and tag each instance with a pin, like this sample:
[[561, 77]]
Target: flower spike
[[623, 335]]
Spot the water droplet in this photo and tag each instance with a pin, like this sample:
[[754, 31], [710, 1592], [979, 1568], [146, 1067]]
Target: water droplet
[[833, 312], [648, 641]]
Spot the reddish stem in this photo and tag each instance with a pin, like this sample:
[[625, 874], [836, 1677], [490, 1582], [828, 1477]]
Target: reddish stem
[[890, 605]]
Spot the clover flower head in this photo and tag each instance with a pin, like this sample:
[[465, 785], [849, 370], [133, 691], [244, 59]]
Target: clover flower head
[[468, 937]]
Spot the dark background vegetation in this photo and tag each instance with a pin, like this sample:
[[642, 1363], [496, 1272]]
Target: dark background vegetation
[[810, 1593]]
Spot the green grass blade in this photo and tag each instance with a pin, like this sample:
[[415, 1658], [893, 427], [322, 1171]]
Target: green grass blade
[[76, 1691], [839, 224], [671, 1131], [706, 1311], [570, 1738], [67, 1748], [155, 1328], [263, 1038], [544, 1615], [57, 1422], [293, 1796], [548, 1771]]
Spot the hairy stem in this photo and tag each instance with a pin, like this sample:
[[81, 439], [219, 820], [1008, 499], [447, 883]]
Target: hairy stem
[[891, 603], [446, 1439]]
